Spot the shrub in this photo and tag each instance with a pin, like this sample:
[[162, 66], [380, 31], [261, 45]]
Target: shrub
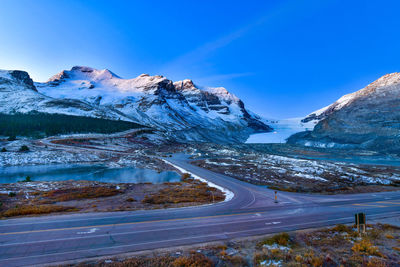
[[12, 138], [365, 247], [281, 239], [341, 228], [131, 199], [27, 179], [298, 258], [12, 194], [23, 148], [236, 261], [3, 149], [185, 176], [388, 236], [316, 261], [194, 260]]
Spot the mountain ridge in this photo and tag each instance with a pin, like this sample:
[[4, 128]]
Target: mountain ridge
[[368, 118], [185, 111]]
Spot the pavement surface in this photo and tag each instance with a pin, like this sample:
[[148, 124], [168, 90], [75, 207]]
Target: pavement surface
[[48, 240]]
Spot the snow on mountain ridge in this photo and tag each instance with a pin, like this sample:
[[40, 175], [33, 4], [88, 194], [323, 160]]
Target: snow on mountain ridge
[[18, 94], [367, 118], [387, 84], [17, 77], [190, 111]]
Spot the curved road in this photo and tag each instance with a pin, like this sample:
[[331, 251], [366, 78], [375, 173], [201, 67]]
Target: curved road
[[252, 211]]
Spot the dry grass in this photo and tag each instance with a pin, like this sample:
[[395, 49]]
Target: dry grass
[[365, 247], [185, 176], [166, 261], [38, 209], [192, 260], [80, 193], [282, 239], [196, 192]]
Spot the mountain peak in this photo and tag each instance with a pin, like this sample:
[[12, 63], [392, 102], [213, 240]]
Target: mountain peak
[[94, 73], [186, 84], [387, 84], [19, 77], [83, 73], [386, 80]]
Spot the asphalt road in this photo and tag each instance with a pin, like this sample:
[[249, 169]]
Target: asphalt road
[[252, 211]]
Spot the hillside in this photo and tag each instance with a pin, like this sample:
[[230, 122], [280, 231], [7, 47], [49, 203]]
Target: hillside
[[368, 119]]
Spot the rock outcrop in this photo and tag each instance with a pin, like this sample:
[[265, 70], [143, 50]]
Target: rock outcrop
[[368, 119]]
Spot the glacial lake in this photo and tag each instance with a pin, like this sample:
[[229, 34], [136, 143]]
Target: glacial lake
[[63, 172]]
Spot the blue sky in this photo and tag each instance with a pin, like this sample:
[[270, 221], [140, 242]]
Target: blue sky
[[283, 58]]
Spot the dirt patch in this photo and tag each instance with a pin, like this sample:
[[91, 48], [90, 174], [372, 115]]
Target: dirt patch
[[334, 246], [32, 198]]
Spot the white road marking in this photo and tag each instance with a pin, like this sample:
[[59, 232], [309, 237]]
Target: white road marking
[[91, 231], [269, 223], [170, 240]]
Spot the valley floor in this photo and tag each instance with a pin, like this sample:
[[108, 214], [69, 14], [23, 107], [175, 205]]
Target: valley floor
[[295, 169], [278, 166]]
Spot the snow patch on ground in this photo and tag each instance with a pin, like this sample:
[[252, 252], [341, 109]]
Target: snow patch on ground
[[44, 157], [276, 246], [271, 263]]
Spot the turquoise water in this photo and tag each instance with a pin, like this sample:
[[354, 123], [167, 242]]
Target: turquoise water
[[62, 172]]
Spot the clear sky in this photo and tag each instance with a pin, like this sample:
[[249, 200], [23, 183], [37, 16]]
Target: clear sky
[[283, 58]]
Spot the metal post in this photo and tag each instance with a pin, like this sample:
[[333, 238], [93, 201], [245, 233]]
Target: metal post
[[360, 220]]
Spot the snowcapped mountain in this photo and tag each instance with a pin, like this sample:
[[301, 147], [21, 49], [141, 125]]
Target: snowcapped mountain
[[19, 94], [183, 110], [368, 118]]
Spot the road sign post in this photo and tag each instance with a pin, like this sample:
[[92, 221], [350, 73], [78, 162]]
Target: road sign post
[[360, 220]]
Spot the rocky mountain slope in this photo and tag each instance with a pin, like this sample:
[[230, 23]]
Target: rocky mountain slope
[[182, 110], [368, 118], [18, 93]]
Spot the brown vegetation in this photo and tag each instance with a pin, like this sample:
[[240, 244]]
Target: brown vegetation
[[193, 192], [80, 193], [191, 260], [92, 196], [194, 260], [37, 209], [281, 239]]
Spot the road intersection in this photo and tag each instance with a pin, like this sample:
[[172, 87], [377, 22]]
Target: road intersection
[[251, 211]]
